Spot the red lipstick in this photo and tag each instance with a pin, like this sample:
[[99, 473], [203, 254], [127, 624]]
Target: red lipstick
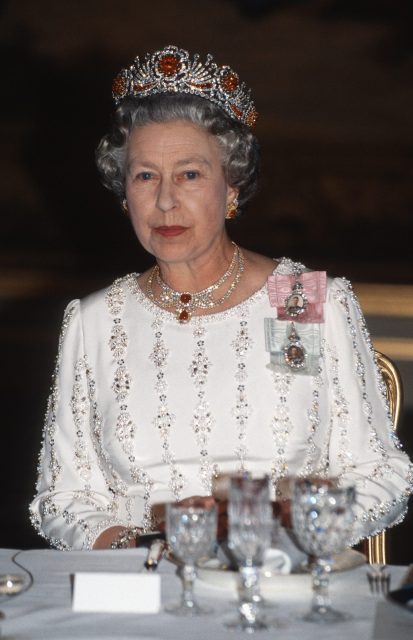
[[170, 231]]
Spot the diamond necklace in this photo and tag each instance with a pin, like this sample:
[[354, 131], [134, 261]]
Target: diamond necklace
[[186, 303]]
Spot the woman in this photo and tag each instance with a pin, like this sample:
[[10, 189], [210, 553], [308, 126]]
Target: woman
[[214, 360]]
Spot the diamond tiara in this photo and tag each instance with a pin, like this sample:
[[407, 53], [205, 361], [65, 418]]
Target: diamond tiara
[[172, 71]]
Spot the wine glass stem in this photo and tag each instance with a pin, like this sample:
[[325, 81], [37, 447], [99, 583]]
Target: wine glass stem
[[249, 594], [320, 576], [188, 575]]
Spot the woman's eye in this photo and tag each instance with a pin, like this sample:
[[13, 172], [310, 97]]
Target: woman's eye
[[191, 175], [145, 175]]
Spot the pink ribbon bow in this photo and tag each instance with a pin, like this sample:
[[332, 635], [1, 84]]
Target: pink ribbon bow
[[314, 283]]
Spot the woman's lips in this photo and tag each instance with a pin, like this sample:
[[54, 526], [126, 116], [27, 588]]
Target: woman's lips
[[169, 232]]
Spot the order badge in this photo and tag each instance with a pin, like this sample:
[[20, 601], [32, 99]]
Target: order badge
[[296, 303], [290, 350], [295, 355]]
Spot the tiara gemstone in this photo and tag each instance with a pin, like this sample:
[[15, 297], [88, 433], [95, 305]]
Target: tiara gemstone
[[119, 86], [229, 81], [202, 85], [169, 65], [140, 88], [251, 118], [236, 111]]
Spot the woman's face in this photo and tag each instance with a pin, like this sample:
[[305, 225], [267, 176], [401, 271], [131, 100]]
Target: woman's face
[[176, 190]]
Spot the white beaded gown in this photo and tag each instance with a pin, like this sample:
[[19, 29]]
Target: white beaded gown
[[145, 410]]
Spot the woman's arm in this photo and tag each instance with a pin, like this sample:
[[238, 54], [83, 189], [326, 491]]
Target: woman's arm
[[76, 499], [363, 446]]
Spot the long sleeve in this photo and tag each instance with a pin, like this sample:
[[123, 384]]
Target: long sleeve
[[75, 498], [363, 446]]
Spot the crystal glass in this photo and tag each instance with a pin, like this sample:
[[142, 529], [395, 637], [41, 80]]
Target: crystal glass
[[191, 534], [249, 537], [323, 522]]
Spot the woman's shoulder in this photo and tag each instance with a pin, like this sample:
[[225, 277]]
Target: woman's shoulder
[[112, 296], [276, 265]]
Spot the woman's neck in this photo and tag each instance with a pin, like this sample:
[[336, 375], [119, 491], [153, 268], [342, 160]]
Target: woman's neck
[[200, 272]]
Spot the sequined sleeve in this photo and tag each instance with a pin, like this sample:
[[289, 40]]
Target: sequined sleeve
[[74, 501], [363, 445]]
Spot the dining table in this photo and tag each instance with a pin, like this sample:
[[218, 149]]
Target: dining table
[[45, 609]]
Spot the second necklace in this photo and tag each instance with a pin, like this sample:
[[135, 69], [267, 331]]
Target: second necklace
[[186, 303]]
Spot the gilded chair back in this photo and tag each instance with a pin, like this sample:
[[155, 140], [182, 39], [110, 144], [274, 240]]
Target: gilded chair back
[[394, 387]]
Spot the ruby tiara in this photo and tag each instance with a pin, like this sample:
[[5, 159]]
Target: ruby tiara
[[172, 71]]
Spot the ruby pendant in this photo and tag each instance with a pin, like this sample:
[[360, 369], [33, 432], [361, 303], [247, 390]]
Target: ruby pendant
[[184, 316]]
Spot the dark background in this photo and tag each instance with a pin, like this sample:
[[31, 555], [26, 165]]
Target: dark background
[[332, 82]]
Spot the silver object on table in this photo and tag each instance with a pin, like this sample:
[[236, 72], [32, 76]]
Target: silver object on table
[[156, 551]]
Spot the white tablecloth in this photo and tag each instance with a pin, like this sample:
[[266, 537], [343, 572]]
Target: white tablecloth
[[45, 610]]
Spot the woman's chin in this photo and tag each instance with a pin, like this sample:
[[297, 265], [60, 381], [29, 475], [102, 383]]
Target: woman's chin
[[171, 252]]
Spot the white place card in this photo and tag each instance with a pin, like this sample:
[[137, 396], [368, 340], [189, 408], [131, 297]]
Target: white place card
[[117, 592]]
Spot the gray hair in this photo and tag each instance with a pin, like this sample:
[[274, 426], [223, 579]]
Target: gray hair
[[240, 151]]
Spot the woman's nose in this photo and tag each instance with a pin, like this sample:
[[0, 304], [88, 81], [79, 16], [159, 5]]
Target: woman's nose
[[166, 195]]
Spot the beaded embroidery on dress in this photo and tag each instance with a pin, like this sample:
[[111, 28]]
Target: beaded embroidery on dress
[[152, 409]]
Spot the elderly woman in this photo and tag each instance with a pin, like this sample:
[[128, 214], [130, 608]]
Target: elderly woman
[[215, 360]]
